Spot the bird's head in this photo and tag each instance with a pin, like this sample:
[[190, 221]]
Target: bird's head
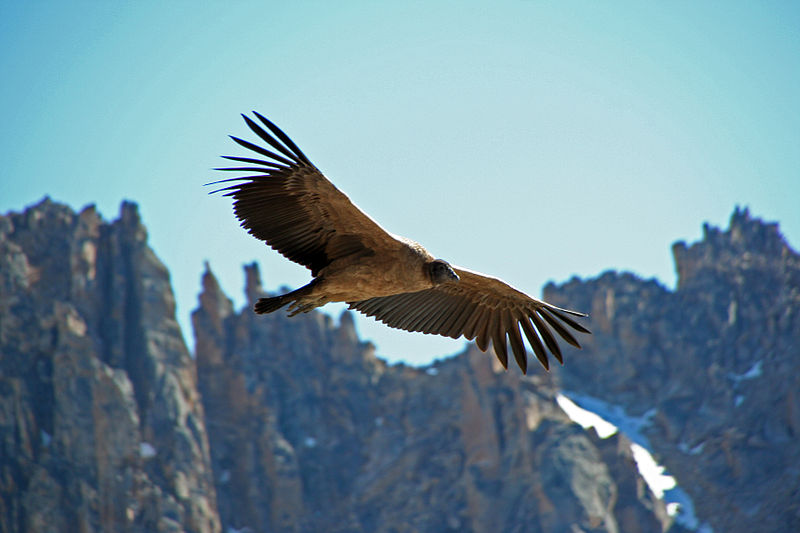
[[440, 271]]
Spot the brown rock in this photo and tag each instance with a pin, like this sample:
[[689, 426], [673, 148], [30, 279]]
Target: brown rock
[[346, 443], [101, 427], [716, 359]]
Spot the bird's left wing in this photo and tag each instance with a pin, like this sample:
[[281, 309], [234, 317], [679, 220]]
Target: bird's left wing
[[483, 308], [284, 200]]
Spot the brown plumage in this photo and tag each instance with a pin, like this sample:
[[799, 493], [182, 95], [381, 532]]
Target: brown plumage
[[285, 201]]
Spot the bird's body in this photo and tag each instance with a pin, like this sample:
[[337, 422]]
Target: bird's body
[[290, 205], [398, 269]]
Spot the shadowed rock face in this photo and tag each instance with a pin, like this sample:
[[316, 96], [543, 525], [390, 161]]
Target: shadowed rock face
[[310, 432], [719, 361], [101, 426], [107, 424]]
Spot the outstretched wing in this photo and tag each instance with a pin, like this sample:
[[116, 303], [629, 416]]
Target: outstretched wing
[[285, 201], [483, 308]]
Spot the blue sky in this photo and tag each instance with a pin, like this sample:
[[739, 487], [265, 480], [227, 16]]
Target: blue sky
[[530, 140]]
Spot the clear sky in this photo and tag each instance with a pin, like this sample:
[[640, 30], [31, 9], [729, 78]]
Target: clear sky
[[530, 140]]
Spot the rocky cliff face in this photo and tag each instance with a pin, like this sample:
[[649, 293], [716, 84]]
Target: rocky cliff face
[[300, 428], [310, 432], [278, 424], [101, 425], [715, 366]]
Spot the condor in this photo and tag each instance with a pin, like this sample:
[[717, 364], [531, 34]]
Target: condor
[[285, 201]]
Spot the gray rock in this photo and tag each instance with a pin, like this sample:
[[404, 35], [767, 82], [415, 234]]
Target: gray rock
[[717, 359], [93, 370], [309, 431], [278, 424]]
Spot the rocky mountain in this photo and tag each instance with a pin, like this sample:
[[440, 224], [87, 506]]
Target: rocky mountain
[[309, 431], [278, 424], [101, 424], [714, 366]]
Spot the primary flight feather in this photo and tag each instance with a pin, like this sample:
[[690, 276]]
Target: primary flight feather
[[284, 200]]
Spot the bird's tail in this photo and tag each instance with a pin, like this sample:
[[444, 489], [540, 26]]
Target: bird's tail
[[303, 298], [268, 305]]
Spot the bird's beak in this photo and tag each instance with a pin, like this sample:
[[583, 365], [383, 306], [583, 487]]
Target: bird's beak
[[454, 276]]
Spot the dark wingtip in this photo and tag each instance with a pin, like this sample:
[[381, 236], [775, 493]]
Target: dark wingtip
[[260, 150], [293, 150], [264, 120], [561, 313]]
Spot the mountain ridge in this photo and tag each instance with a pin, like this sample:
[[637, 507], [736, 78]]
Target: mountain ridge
[[277, 424], [720, 372]]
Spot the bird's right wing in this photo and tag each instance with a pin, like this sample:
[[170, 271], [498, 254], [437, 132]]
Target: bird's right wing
[[483, 308], [287, 202]]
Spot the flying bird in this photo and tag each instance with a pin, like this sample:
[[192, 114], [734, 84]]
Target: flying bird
[[287, 202]]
